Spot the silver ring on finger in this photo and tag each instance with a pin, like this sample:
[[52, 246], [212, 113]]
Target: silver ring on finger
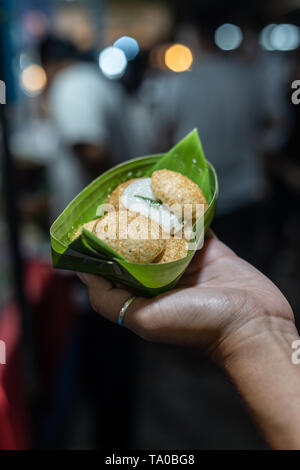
[[124, 309]]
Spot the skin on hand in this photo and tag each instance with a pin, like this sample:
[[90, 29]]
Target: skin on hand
[[220, 304], [224, 305]]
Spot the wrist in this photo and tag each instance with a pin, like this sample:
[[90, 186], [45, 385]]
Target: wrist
[[262, 371], [257, 336]]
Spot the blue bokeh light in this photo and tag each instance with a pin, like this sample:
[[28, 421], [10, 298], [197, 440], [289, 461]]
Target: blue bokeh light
[[129, 46], [228, 37]]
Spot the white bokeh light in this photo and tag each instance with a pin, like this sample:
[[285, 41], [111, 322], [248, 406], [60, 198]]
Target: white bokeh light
[[112, 62], [265, 37], [228, 37], [280, 37], [285, 37]]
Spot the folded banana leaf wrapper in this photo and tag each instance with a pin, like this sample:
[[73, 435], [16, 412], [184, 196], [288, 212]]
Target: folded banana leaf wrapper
[[89, 254]]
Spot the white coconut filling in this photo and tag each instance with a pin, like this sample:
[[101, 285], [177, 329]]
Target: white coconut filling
[[139, 197]]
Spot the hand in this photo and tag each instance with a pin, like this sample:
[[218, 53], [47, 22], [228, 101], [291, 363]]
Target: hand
[[220, 302]]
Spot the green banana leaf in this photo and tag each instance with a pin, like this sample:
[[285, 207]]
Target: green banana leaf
[[89, 254], [187, 157]]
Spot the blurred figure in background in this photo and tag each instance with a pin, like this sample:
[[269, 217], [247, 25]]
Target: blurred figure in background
[[93, 119], [82, 146], [283, 169], [91, 116], [224, 97], [190, 404], [171, 397]]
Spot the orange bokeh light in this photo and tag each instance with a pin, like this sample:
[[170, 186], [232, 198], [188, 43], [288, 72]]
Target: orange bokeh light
[[178, 58], [34, 79]]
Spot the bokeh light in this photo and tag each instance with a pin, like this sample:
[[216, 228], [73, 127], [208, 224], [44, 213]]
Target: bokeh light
[[35, 23], [73, 22], [33, 80], [228, 37], [285, 37], [128, 45], [280, 37], [265, 37], [25, 60], [112, 62], [178, 58]]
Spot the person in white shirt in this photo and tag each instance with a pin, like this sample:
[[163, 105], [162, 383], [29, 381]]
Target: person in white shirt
[[94, 118]]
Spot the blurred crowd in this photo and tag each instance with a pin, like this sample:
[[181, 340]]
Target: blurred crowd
[[92, 84]]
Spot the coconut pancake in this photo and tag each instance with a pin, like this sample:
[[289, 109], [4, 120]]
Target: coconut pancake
[[139, 197], [88, 226], [174, 188], [176, 248], [114, 198], [136, 237]]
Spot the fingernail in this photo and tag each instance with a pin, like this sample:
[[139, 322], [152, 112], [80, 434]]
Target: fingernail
[[82, 277]]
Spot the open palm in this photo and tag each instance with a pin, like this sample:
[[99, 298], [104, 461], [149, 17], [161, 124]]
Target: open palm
[[219, 298]]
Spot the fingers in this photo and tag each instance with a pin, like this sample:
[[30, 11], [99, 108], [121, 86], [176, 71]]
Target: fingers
[[199, 258], [108, 301], [212, 250]]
